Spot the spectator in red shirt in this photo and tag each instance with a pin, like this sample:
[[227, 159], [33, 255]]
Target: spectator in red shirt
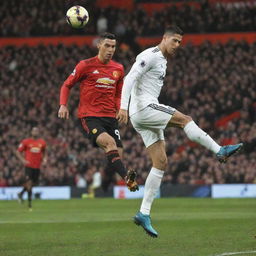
[[3, 181], [31, 152], [101, 81]]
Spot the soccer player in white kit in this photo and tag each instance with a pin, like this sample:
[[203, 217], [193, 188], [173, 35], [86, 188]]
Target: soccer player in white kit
[[142, 87]]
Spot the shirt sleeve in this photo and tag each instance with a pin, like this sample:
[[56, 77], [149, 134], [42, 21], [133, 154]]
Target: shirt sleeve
[[44, 146], [74, 77], [22, 146], [142, 65], [119, 89]]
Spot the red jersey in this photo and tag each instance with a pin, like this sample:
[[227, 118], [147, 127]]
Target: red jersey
[[34, 150], [100, 87]]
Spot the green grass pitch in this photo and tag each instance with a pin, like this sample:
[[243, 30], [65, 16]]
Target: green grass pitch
[[104, 227]]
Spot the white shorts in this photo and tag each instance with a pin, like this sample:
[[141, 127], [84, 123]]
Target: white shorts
[[151, 121]]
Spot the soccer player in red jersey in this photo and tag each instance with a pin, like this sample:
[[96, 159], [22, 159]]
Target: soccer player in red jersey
[[101, 80], [31, 152]]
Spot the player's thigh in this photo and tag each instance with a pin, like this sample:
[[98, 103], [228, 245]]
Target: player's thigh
[[106, 142], [157, 154], [92, 127], [179, 120], [111, 126], [149, 135], [35, 176], [154, 116], [28, 174], [151, 122], [120, 151]]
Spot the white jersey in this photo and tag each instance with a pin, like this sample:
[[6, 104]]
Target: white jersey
[[144, 81]]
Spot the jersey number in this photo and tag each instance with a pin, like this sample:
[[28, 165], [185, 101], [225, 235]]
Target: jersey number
[[118, 134]]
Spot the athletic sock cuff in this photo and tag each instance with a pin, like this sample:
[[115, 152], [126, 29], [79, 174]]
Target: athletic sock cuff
[[188, 125], [112, 152], [157, 172]]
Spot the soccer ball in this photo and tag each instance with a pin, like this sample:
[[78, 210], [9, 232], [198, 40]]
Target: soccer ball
[[77, 16]]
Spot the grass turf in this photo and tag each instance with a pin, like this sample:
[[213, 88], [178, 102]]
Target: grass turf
[[104, 227]]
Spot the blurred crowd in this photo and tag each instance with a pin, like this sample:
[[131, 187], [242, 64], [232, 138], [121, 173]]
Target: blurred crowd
[[41, 18], [208, 82]]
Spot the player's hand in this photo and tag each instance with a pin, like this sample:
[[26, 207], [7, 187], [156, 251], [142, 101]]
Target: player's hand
[[122, 116], [25, 162], [63, 112], [44, 161]]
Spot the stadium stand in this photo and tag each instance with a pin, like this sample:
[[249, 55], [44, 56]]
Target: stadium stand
[[215, 83], [30, 90], [47, 18]]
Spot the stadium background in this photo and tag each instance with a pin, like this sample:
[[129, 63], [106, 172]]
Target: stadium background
[[212, 78]]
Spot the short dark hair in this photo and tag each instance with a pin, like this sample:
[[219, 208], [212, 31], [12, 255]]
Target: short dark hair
[[174, 30], [107, 35]]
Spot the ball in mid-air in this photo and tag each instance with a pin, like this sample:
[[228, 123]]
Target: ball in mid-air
[[77, 16]]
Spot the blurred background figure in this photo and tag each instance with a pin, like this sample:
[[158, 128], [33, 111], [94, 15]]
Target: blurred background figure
[[102, 24], [80, 181], [32, 153]]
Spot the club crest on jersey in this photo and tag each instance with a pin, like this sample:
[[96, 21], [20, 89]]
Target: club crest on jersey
[[94, 131], [95, 71], [116, 74]]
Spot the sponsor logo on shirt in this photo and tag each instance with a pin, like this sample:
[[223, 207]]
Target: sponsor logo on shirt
[[104, 86], [35, 150], [105, 82]]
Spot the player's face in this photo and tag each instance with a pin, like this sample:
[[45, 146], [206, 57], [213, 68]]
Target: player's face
[[35, 132], [107, 49], [172, 43]]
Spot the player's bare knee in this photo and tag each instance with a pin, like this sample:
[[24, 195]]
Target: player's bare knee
[[187, 119], [29, 185], [161, 163], [110, 145], [106, 142]]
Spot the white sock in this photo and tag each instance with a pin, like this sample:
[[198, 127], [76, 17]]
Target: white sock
[[152, 185], [196, 134]]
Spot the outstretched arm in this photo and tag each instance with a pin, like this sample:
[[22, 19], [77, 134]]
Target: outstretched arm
[[129, 82], [119, 89], [20, 157], [19, 152], [74, 77], [44, 156], [141, 66]]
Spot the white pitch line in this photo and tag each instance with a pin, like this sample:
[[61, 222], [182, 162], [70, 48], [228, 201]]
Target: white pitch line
[[234, 253], [54, 221]]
